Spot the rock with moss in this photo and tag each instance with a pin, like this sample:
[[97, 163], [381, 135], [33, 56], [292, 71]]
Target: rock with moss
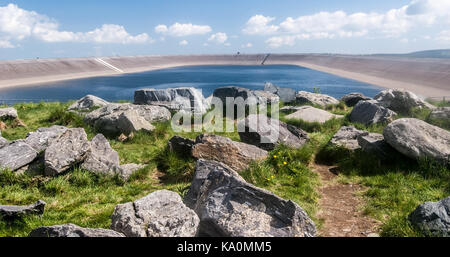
[[230, 207], [370, 112], [8, 113], [353, 99], [400, 100], [87, 103], [267, 133], [69, 149], [71, 230], [347, 137], [235, 154], [159, 214], [304, 97], [418, 139], [433, 218], [17, 155], [13, 212]]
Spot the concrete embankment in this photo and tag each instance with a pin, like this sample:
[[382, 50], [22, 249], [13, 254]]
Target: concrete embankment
[[426, 77]]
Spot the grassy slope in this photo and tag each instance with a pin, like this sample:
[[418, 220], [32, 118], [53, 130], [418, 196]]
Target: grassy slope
[[88, 200]]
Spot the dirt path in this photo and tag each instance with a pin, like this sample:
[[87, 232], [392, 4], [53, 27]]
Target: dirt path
[[340, 208]]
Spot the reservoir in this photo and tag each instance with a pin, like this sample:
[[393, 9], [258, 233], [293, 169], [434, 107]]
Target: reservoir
[[206, 78]]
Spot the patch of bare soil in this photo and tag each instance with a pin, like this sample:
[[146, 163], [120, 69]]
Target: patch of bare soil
[[341, 208]]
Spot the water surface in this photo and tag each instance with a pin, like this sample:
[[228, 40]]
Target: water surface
[[207, 78]]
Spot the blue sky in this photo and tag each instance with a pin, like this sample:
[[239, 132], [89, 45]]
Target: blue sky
[[50, 28]]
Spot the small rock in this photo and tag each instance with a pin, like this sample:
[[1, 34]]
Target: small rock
[[304, 97], [369, 112], [311, 114], [17, 155], [181, 146], [159, 214], [71, 230], [235, 154], [418, 139], [88, 102], [400, 100], [433, 218], [347, 137], [11, 212], [354, 98], [267, 133], [68, 149], [8, 113]]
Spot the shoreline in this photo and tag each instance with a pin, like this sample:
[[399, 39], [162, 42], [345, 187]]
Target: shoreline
[[344, 66]]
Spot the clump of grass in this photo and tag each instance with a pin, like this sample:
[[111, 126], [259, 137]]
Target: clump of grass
[[312, 127], [62, 117]]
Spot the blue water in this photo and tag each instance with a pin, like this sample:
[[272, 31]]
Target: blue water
[[206, 78]]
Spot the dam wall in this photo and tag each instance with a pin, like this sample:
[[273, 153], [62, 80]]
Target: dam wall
[[426, 77]]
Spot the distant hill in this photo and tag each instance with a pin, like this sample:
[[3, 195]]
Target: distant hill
[[441, 53]]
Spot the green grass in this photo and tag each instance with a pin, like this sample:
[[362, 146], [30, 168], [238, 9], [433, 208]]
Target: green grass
[[394, 188]]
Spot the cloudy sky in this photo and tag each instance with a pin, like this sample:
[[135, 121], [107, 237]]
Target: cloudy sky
[[69, 28]]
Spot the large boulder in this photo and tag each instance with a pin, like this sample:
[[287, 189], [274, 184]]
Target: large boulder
[[353, 99], [304, 97], [130, 121], [181, 146], [159, 214], [229, 206], [370, 112], [252, 97], [41, 138], [108, 119], [347, 137], [185, 98], [235, 154], [8, 113], [287, 95], [267, 133], [400, 100], [87, 103], [12, 212], [418, 139], [69, 149], [71, 230], [311, 114], [433, 218], [16, 155]]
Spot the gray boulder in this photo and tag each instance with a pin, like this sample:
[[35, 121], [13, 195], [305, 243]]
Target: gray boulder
[[41, 138], [176, 99], [347, 137], [88, 102], [353, 99], [311, 114], [374, 143], [370, 112], [252, 97], [267, 133], [130, 121], [16, 155], [181, 146], [71, 230], [8, 113], [3, 141], [11, 212], [400, 100], [235, 154], [287, 95], [304, 97], [433, 218], [229, 206], [418, 139], [442, 113], [106, 119], [266, 97], [159, 214], [68, 149]]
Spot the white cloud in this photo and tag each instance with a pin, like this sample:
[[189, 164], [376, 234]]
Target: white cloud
[[219, 38], [259, 25], [6, 44], [18, 24], [444, 36], [183, 43], [182, 30], [248, 45]]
